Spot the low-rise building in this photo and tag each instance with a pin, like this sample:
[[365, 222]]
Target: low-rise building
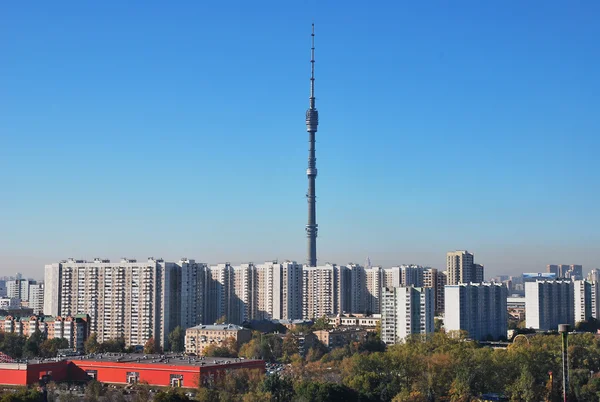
[[201, 336], [74, 329], [337, 338], [368, 322], [155, 370]]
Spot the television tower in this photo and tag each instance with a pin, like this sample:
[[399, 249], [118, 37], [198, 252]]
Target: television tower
[[312, 121]]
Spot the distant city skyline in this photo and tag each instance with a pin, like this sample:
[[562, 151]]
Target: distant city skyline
[[180, 132]]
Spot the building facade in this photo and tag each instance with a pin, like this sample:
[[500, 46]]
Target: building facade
[[406, 311], [479, 309], [198, 338], [461, 268], [320, 291], [549, 303], [132, 300]]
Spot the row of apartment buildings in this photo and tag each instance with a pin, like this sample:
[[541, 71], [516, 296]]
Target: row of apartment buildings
[[477, 308], [75, 329], [137, 300], [22, 292]]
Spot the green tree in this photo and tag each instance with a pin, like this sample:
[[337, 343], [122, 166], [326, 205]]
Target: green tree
[[12, 345], [91, 344], [280, 388], [176, 339], [32, 344], [171, 395], [116, 345], [50, 347], [321, 323]]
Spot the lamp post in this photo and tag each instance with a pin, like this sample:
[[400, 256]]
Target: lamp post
[[563, 330]]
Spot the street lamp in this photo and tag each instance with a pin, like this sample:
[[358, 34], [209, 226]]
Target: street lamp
[[563, 330]]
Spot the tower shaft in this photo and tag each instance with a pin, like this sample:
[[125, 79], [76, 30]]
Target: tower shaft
[[312, 121]]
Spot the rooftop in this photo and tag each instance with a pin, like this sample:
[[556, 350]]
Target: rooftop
[[219, 327], [165, 359]]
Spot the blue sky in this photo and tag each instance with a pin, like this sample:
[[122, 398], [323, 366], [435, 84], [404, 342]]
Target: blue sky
[[155, 129]]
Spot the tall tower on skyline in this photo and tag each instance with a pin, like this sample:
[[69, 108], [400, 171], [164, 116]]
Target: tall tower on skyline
[[312, 121]]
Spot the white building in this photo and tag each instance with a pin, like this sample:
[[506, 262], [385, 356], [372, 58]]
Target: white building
[[320, 291], [278, 290], [406, 311], [193, 278], [478, 308], [129, 299], [36, 297], [548, 304], [586, 300], [373, 278]]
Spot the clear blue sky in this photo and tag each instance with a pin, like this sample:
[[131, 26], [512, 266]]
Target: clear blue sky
[[177, 129]]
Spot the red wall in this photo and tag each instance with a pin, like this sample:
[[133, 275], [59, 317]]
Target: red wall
[[116, 373], [13, 377], [59, 371], [153, 374]]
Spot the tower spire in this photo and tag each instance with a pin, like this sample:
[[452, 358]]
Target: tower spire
[[312, 121], [312, 68]]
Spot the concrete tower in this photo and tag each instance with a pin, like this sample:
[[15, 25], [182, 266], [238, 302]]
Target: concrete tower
[[312, 121]]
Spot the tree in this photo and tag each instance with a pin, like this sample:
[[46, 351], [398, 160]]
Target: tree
[[280, 388], [176, 339], [150, 347], [12, 345], [321, 323], [93, 391], [171, 396], [116, 345], [32, 344], [221, 320], [50, 347], [91, 344]]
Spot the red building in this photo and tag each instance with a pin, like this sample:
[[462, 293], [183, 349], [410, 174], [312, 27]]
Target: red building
[[162, 371]]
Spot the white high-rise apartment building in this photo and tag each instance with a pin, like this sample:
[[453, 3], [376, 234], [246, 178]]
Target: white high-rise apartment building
[[13, 289], [586, 300], [548, 304], [479, 309], [193, 283], [391, 277], [320, 291], [278, 289], [412, 275], [594, 275], [129, 299], [373, 278], [432, 278], [218, 293], [36, 298], [406, 311]]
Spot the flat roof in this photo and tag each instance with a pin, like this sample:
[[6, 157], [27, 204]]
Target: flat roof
[[157, 359]]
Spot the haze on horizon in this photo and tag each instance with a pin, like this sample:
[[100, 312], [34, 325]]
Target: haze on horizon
[[144, 129]]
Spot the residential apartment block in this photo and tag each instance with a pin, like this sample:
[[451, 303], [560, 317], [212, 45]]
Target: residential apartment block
[[586, 300], [478, 308], [461, 268], [549, 303], [405, 311], [129, 299], [74, 329]]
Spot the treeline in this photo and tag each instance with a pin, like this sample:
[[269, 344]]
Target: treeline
[[37, 345], [439, 368]]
